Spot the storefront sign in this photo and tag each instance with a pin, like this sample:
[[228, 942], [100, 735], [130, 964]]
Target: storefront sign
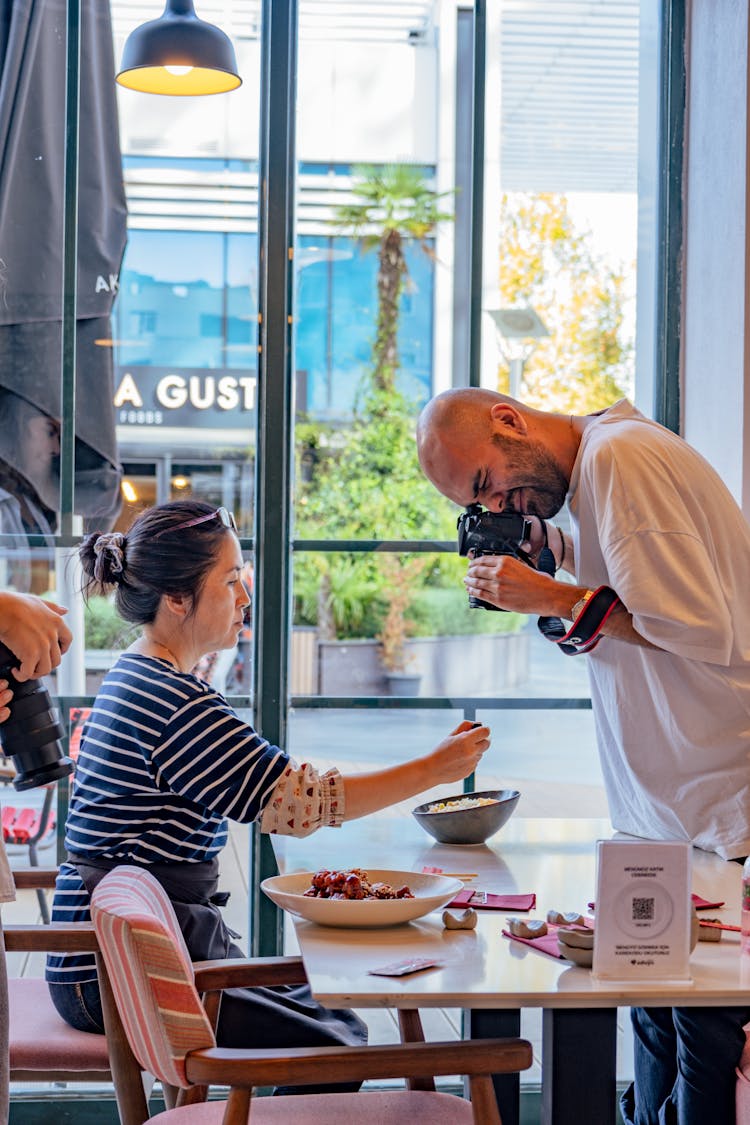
[[160, 396]]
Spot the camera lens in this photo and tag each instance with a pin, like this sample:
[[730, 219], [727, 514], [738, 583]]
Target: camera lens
[[31, 736]]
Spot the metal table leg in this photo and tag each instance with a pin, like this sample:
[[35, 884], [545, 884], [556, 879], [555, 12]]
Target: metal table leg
[[579, 1060], [481, 1023]]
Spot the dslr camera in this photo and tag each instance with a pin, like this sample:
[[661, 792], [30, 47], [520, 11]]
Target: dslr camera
[[31, 735], [492, 533]]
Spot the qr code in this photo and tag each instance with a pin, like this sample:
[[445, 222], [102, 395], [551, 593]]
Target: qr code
[[643, 910]]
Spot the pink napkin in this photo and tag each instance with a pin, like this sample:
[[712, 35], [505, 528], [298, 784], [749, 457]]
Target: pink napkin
[[483, 900], [545, 944]]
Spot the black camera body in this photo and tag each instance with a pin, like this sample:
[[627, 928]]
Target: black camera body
[[492, 533], [31, 736]]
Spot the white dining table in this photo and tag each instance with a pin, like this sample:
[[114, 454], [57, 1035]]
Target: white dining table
[[492, 977]]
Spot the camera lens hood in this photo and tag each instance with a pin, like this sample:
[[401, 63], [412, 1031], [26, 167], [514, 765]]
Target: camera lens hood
[[32, 735]]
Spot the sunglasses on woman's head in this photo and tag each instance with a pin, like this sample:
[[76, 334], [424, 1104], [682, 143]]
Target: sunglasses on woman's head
[[225, 517]]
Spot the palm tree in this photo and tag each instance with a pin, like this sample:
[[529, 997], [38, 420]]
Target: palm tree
[[393, 205]]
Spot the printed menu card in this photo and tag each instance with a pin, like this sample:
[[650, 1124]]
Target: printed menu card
[[643, 911]]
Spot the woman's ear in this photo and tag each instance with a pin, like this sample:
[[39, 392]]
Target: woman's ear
[[505, 414], [180, 605]]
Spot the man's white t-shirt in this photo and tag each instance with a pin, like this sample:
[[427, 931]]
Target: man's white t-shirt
[[654, 521]]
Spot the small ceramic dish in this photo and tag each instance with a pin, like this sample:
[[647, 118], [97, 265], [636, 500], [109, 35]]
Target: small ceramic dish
[[576, 944]]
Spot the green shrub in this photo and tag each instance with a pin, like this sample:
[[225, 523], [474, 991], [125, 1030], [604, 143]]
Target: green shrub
[[440, 612], [104, 628]]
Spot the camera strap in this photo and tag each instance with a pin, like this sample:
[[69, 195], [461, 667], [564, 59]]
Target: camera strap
[[585, 632]]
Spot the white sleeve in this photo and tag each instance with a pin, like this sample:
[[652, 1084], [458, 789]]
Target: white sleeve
[[303, 801]]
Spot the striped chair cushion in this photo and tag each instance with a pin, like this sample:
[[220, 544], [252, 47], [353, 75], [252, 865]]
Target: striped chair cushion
[[151, 972]]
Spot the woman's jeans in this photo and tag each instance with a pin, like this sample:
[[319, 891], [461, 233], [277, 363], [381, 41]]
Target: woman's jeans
[[79, 1005], [249, 1018], [684, 1066]]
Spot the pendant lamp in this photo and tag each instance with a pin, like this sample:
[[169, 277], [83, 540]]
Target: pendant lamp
[[179, 53]]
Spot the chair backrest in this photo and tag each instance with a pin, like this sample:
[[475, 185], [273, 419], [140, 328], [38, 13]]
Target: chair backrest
[[41, 1046], [150, 972]]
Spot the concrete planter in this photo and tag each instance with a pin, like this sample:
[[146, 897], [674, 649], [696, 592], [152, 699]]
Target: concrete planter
[[403, 683], [484, 664]]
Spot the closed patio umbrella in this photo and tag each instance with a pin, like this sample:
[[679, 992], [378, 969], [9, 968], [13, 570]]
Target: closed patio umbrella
[[32, 156]]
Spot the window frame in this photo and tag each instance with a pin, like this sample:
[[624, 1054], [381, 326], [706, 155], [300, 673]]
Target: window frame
[[272, 541]]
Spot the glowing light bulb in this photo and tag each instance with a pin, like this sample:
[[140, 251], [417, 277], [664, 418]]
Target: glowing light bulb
[[178, 71]]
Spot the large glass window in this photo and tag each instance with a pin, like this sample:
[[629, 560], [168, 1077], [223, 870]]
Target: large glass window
[[566, 257], [148, 387], [336, 307], [386, 275], [566, 180]]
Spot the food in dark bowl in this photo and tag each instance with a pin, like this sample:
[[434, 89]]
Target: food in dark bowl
[[467, 818]]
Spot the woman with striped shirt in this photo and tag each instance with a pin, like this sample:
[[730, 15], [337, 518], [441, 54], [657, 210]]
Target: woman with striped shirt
[[164, 761]]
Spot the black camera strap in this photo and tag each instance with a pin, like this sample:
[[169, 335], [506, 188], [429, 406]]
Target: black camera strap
[[586, 631]]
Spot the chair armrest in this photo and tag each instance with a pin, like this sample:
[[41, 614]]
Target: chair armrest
[[35, 878], [302, 1066], [248, 973], [57, 937]]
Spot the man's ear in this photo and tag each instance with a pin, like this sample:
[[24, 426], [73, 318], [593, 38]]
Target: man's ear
[[505, 414]]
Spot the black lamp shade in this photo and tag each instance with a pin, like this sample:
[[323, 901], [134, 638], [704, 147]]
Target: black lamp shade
[[201, 53]]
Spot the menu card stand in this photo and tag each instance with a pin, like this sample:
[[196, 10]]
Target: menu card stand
[[643, 911]]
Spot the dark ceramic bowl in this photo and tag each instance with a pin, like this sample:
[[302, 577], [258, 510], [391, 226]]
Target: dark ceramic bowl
[[468, 826]]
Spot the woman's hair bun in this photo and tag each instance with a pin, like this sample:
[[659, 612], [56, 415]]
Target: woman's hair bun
[[108, 557]]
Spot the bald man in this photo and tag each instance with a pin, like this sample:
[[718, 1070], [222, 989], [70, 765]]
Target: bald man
[[670, 678]]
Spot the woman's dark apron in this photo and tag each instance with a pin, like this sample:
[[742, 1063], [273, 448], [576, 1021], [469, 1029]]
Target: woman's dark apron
[[249, 1017]]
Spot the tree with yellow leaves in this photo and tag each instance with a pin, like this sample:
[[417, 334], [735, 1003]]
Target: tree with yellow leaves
[[586, 363]]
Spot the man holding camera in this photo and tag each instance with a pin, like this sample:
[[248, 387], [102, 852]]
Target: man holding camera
[[35, 632], [660, 554]]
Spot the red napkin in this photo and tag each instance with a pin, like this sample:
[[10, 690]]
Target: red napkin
[[703, 903], [483, 900], [545, 944]]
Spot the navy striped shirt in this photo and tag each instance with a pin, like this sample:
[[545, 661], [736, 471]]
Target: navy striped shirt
[[163, 761]]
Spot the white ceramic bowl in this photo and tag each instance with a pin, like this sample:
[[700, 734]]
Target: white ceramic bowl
[[431, 892]]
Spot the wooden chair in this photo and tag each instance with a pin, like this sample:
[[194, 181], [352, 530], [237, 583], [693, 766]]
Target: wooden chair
[[28, 825], [41, 1046], [152, 982]]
